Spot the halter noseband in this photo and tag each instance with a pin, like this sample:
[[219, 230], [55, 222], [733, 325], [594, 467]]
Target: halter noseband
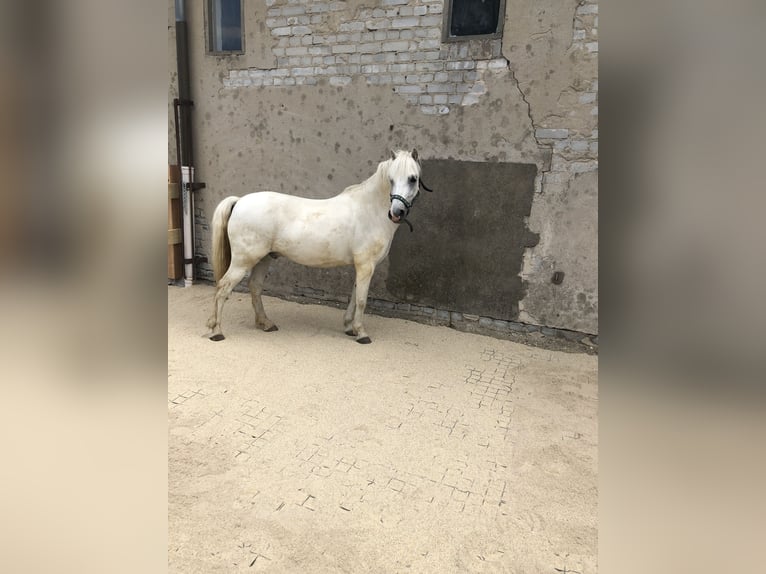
[[406, 203]]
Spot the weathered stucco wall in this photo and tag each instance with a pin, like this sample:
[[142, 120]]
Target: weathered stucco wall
[[326, 88]]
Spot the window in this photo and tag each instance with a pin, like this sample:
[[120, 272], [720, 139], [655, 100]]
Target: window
[[225, 26], [464, 19]]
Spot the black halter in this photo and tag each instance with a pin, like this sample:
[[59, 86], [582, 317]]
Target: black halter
[[408, 204]]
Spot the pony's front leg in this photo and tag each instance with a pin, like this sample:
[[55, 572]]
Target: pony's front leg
[[348, 316], [363, 276]]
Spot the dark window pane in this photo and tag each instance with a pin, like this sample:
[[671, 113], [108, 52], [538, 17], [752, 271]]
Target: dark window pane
[[225, 25], [231, 25], [474, 17]]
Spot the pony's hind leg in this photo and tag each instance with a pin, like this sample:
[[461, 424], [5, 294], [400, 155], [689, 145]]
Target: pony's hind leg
[[257, 277], [226, 284]]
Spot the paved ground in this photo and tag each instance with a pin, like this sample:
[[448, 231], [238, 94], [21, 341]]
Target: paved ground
[[428, 451]]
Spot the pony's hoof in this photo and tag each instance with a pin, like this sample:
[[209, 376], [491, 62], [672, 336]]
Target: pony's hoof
[[218, 337], [350, 333], [271, 329], [364, 340]]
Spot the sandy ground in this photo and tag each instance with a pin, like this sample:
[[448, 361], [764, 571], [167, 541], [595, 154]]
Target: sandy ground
[[429, 450]]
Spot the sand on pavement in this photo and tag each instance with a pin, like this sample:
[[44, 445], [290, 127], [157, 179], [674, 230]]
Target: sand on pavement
[[429, 450]]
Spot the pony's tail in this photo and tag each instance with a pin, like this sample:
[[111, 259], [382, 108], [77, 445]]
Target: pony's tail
[[221, 245]]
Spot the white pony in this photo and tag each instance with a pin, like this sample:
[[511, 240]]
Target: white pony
[[355, 227]]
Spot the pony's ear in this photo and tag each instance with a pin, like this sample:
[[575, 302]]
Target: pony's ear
[[393, 154], [415, 154]]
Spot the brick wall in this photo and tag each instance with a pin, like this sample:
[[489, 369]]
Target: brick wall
[[574, 151], [398, 44]]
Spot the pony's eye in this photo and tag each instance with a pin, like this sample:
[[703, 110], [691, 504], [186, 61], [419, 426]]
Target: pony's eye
[[413, 179]]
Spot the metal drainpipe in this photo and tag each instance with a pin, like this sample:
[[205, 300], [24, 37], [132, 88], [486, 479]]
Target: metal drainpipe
[[183, 105]]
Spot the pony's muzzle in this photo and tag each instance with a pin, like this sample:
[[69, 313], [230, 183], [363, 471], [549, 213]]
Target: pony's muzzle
[[398, 210]]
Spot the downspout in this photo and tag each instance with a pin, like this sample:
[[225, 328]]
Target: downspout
[[183, 105]]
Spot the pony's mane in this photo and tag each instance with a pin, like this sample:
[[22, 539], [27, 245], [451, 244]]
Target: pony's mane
[[381, 172], [370, 180]]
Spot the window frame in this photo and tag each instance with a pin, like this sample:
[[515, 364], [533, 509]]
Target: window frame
[[210, 32], [447, 25]]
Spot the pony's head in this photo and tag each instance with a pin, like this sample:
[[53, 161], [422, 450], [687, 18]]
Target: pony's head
[[403, 176]]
